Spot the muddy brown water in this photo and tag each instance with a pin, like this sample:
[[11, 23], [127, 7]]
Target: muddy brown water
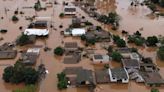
[[131, 20]]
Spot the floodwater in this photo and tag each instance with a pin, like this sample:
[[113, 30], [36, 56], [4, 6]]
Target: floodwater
[[131, 20]]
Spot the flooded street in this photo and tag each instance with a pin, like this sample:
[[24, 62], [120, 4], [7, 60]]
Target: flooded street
[[131, 20]]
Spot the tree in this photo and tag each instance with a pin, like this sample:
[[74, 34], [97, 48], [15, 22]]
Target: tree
[[23, 39], [152, 7], [62, 81], [160, 53], [8, 72], [137, 33], [138, 41], [161, 2], [115, 38], [37, 6], [120, 43], [154, 90], [58, 51], [110, 49], [61, 15], [152, 40], [116, 56], [83, 37], [19, 73], [15, 18]]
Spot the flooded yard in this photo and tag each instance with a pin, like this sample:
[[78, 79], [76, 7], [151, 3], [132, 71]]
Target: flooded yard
[[132, 18]]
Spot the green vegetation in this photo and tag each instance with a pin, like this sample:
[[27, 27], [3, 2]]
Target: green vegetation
[[134, 49], [28, 88], [120, 43], [61, 15], [152, 40], [88, 41], [160, 53], [106, 66], [23, 39], [87, 23], [110, 49], [154, 90], [112, 19], [19, 73], [59, 51], [37, 6], [115, 38], [139, 41], [15, 18], [62, 81], [152, 7], [116, 56]]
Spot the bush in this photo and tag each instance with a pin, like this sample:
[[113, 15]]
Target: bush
[[110, 49], [106, 66], [3, 30], [152, 7], [161, 2], [83, 37], [116, 56], [139, 42], [120, 43], [152, 40], [160, 53], [59, 51], [37, 6], [15, 18], [61, 15], [88, 23]]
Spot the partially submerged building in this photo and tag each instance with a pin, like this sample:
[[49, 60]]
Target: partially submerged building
[[38, 25], [71, 46], [118, 75], [69, 10], [131, 63], [30, 57], [100, 59]]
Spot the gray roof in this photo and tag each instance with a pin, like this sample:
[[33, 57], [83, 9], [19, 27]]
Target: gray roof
[[8, 54], [72, 59], [98, 56], [123, 50], [29, 58], [70, 9], [84, 76], [130, 63], [70, 45], [119, 73], [152, 78]]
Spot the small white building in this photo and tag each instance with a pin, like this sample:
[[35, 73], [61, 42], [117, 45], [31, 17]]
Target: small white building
[[78, 31], [36, 32], [118, 75], [100, 59], [69, 10], [34, 50]]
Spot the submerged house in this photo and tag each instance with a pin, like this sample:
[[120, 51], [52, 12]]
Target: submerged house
[[71, 46], [39, 25], [69, 10], [118, 75], [30, 57], [7, 51], [36, 32], [78, 31], [101, 59], [72, 59], [130, 63], [76, 22], [85, 78]]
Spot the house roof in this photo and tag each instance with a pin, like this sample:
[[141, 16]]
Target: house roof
[[70, 9], [8, 54], [37, 32], [70, 45], [119, 73], [78, 31], [84, 76], [72, 59], [130, 63], [152, 78], [98, 56], [123, 50], [29, 58]]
